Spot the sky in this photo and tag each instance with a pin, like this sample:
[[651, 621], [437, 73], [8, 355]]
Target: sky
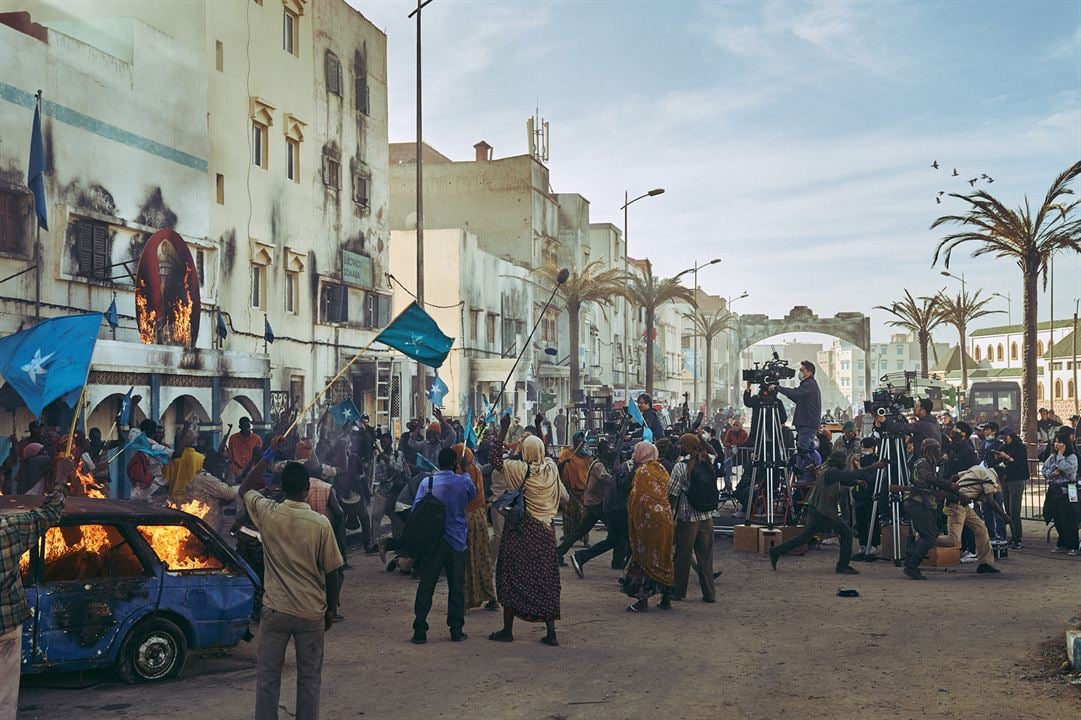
[[794, 140]]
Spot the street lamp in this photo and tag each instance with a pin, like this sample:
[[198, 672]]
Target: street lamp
[[1009, 305], [946, 273], [626, 303], [964, 296], [739, 340], [694, 303]]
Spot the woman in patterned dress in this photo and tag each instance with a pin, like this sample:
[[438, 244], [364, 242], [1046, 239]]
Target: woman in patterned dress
[[479, 588], [527, 570], [652, 532]]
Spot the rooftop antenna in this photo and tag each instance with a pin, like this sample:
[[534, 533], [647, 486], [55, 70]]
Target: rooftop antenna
[[537, 130]]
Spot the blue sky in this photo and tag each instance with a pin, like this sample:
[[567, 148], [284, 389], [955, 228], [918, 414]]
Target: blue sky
[[794, 139]]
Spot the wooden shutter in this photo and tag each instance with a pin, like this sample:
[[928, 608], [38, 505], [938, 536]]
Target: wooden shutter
[[362, 94], [384, 311], [85, 248], [334, 74], [100, 252], [336, 298]]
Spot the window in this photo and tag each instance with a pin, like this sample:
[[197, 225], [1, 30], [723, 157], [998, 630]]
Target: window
[[93, 249], [258, 286], [900, 364], [1058, 390], [179, 549], [87, 552], [990, 354], [15, 210], [334, 303], [289, 32], [1039, 391], [491, 328], [376, 310], [1070, 390], [550, 252], [1000, 355], [333, 69], [292, 159], [292, 292], [883, 364], [219, 188], [362, 95], [332, 172], [860, 365], [360, 190], [200, 266], [219, 55], [474, 317], [976, 353], [1039, 348], [549, 328], [900, 349], [1013, 351], [259, 144]]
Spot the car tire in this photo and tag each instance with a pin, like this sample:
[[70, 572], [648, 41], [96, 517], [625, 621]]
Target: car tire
[[154, 650]]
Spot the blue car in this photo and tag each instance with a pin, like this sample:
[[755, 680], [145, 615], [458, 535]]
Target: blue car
[[126, 585]]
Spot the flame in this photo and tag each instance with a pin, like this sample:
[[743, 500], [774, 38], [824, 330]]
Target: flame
[[74, 552], [146, 316], [193, 507], [82, 483], [178, 548], [181, 326]]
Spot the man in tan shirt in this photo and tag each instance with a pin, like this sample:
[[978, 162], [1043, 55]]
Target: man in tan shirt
[[301, 587]]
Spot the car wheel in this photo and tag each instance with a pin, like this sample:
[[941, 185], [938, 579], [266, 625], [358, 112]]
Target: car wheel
[[155, 649]]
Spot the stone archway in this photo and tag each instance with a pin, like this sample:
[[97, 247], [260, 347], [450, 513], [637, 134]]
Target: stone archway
[[851, 326]]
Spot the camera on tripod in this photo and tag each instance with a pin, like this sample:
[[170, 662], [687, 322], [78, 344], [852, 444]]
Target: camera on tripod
[[890, 403], [770, 372]]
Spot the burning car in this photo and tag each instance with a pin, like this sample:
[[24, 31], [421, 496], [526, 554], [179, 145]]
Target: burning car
[[128, 585]]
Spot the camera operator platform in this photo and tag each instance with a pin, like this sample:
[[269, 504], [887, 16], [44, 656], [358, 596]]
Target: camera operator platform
[[769, 492], [887, 407]]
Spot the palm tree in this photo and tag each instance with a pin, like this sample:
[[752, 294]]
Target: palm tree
[[959, 311], [920, 317], [649, 293], [1028, 240], [708, 326], [596, 282]]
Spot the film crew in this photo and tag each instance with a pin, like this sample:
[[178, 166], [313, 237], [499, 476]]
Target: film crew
[[925, 426], [957, 452], [823, 512], [1013, 465], [755, 403], [863, 504], [808, 413], [921, 506], [975, 484], [653, 420], [592, 499], [614, 505]]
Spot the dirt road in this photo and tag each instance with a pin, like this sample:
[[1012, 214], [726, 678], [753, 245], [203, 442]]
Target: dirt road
[[957, 646]]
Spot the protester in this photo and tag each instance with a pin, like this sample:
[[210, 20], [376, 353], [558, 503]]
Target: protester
[[527, 571], [242, 448], [1060, 469], [596, 490], [734, 438], [650, 415], [925, 426], [301, 588], [454, 490], [614, 505], [19, 532], [574, 463], [651, 570], [694, 528], [479, 578]]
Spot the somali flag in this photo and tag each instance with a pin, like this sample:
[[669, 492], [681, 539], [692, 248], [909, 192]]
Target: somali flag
[[35, 173], [50, 360], [345, 412], [636, 414], [437, 391], [416, 334], [141, 443], [112, 316], [425, 464], [470, 431], [124, 420]]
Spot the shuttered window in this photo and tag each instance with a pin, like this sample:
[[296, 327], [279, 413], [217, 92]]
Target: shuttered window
[[376, 310], [335, 303], [92, 249], [360, 190], [362, 96], [332, 172], [334, 74], [14, 209]]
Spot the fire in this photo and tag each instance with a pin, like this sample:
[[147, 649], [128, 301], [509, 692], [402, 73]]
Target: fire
[[82, 483], [145, 315], [193, 507], [75, 552], [178, 548]]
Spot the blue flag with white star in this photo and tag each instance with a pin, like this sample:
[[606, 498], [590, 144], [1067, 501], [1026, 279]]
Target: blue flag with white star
[[50, 360], [124, 419], [470, 431], [112, 316], [35, 172], [425, 464], [437, 391], [268, 332], [345, 412], [415, 334]]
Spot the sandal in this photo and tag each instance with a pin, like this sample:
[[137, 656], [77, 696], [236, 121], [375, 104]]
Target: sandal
[[501, 636]]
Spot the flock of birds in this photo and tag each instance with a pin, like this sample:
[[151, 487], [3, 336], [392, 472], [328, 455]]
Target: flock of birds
[[972, 183]]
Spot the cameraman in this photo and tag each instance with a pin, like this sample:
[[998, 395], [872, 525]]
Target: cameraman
[[808, 414], [754, 402], [925, 426]]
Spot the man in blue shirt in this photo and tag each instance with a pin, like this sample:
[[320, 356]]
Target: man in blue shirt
[[454, 490]]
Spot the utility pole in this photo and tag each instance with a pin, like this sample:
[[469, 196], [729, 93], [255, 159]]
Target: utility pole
[[1076, 390], [421, 374]]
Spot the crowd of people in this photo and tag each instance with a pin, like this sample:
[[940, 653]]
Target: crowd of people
[[655, 487]]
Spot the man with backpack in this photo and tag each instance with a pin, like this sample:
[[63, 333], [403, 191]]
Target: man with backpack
[[614, 505], [692, 493], [436, 533], [823, 514], [597, 482]]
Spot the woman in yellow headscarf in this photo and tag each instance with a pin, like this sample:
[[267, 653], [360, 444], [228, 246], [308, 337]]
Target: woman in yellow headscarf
[[479, 585], [527, 571], [652, 532]]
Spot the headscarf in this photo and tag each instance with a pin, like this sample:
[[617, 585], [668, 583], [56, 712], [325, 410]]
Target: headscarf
[[649, 516], [542, 486], [474, 474], [579, 443], [644, 452], [31, 449]]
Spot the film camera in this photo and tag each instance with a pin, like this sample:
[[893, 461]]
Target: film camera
[[769, 372], [891, 404]]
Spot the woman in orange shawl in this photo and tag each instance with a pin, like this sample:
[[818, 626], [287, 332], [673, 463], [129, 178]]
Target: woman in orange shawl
[[479, 580], [652, 532]]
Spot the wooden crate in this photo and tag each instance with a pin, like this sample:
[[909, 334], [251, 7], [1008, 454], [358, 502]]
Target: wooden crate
[[745, 538], [790, 531], [942, 557], [886, 551], [769, 538]]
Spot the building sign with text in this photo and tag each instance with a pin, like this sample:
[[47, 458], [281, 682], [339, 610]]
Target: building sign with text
[[357, 269]]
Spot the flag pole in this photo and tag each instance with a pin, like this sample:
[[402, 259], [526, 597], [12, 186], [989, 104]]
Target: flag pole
[[75, 416], [326, 387], [37, 249]]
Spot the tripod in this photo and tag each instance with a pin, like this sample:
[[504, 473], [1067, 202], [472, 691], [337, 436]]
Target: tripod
[[769, 462], [896, 473]]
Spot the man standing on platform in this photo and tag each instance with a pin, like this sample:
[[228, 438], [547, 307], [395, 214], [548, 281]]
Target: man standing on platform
[[808, 414]]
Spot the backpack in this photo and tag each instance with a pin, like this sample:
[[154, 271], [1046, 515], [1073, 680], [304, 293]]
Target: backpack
[[425, 526], [702, 487], [620, 488]]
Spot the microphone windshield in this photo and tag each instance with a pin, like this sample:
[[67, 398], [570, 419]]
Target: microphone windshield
[[563, 275]]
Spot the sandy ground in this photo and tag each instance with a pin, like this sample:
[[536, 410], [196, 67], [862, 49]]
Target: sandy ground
[[957, 646]]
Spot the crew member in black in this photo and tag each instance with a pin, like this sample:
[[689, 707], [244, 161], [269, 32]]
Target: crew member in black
[[921, 506]]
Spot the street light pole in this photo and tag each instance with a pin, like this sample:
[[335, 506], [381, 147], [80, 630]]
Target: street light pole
[[1076, 393], [626, 303], [421, 379], [1009, 305], [739, 341], [697, 316]]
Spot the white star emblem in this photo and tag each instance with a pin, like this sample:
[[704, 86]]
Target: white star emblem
[[36, 366], [415, 339], [348, 413]]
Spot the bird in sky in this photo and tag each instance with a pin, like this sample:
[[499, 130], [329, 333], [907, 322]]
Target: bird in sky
[[935, 164], [955, 172], [983, 176], [990, 179], [938, 200], [941, 193], [972, 182]]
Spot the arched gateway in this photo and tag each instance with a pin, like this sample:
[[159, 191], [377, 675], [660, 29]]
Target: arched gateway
[[851, 326]]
